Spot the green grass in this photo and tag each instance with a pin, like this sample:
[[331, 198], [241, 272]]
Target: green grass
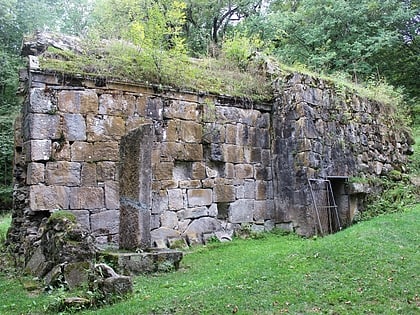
[[5, 221], [369, 268]]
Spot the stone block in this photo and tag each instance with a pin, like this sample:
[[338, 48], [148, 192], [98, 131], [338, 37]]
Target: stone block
[[249, 189], [76, 274], [41, 126], [87, 198], [241, 211], [163, 170], [266, 157], [106, 171], [63, 173], [195, 213], [199, 197], [154, 108], [160, 202], [171, 131], [262, 138], [134, 225], [198, 170], [154, 221], [60, 151], [182, 110], [165, 184], [190, 132], [261, 191], [112, 195], [35, 173], [190, 183], [233, 153], [191, 152], [224, 193], [40, 101], [48, 197], [134, 122], [81, 151], [102, 128], [117, 104], [74, 127], [141, 107], [243, 171], [216, 152], [263, 121], [162, 234], [82, 217], [203, 225], [106, 151], [175, 199], [229, 170], [105, 222], [78, 102], [169, 219], [231, 134], [262, 173], [263, 210]]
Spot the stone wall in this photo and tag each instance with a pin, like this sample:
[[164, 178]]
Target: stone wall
[[322, 132], [190, 166], [209, 155]]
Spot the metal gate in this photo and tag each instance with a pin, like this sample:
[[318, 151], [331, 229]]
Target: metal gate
[[326, 211]]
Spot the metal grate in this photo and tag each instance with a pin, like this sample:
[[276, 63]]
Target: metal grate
[[326, 211]]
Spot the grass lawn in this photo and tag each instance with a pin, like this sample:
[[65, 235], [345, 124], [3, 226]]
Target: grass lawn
[[370, 268]]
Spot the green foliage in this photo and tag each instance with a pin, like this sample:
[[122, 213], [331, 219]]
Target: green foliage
[[61, 215], [5, 221]]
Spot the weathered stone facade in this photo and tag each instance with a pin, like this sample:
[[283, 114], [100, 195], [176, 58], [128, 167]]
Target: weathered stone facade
[[186, 165]]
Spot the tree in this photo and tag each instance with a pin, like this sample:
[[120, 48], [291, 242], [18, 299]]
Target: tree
[[362, 37], [208, 21]]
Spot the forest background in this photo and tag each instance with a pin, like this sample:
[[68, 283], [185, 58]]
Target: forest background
[[368, 42]]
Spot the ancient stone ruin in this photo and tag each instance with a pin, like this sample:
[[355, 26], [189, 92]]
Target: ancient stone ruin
[[141, 166]]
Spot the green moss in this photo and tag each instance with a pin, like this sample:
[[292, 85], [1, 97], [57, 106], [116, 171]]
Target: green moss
[[60, 216]]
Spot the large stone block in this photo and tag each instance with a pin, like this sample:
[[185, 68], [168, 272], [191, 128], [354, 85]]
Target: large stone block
[[63, 173], [74, 127], [262, 138], [243, 171], [181, 110], [233, 153], [48, 197], [106, 171], [224, 193], [81, 151], [60, 151], [105, 222], [35, 173], [169, 219], [199, 197], [112, 195], [87, 198], [231, 134], [160, 202], [198, 170], [241, 211], [117, 104], [134, 225], [42, 126], [40, 101], [78, 102], [262, 190], [106, 151], [163, 170], [175, 199], [102, 128], [190, 132], [263, 210], [203, 225], [83, 218], [154, 108], [191, 152]]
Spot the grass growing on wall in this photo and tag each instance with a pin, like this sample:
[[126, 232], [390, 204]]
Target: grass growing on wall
[[369, 268]]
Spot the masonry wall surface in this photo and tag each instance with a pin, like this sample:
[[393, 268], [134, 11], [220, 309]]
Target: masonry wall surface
[[210, 158], [216, 163]]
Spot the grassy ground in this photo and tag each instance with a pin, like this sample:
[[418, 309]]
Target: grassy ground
[[370, 268]]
